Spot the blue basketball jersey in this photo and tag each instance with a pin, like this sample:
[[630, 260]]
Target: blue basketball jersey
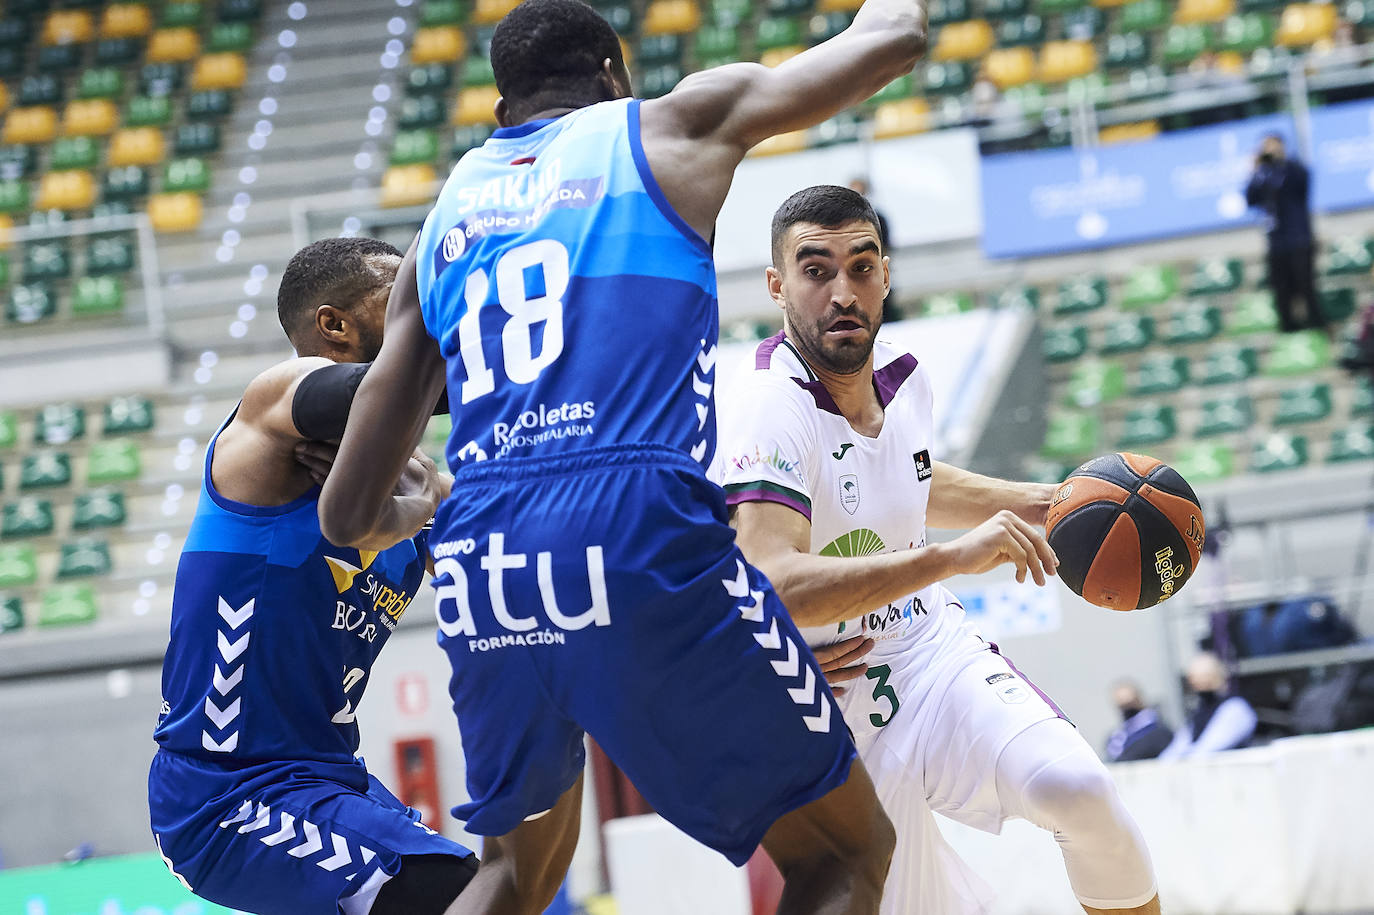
[[574, 307], [274, 632]]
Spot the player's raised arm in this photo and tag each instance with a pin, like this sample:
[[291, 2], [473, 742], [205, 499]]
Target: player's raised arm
[[695, 135], [360, 502]]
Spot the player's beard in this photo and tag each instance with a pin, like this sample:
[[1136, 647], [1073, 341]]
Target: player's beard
[[838, 357]]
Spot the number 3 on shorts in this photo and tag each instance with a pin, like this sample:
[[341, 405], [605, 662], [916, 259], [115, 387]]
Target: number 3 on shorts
[[522, 364], [881, 690]]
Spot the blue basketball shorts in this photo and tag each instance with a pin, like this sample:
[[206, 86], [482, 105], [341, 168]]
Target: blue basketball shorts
[[602, 592], [296, 838]]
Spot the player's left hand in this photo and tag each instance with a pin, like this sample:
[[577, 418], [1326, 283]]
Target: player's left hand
[[318, 458], [843, 662]]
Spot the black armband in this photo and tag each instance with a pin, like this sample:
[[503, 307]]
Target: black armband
[[323, 398]]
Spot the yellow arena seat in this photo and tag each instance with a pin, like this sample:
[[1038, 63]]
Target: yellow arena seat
[[900, 118], [774, 56], [838, 6], [476, 105], [442, 44], [94, 117], [69, 190], [179, 212], [963, 40], [6, 228], [1304, 23], [781, 144], [34, 124], [1064, 60], [1192, 11], [137, 146], [173, 45], [407, 185], [4, 97], [1232, 62], [126, 20], [1110, 3], [672, 17], [68, 27], [489, 12], [1128, 133], [1008, 67], [225, 70]]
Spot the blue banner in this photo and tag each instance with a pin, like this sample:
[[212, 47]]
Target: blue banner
[[1071, 199], [1343, 156]]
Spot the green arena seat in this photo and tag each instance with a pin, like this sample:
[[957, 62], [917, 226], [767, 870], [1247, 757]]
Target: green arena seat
[[947, 78], [122, 183], [1144, 16], [129, 415], [1224, 415], [844, 127], [161, 79], [67, 605], [100, 82], [942, 12], [1216, 275], [16, 161], [1253, 313], [1337, 304], [109, 255], [1016, 297], [1042, 471], [47, 260], [1147, 424], [1062, 344], [1029, 99], [730, 13], [14, 196], [30, 303], [230, 36], [74, 152], [777, 32], [657, 49], [716, 42], [1359, 13], [179, 15], [1361, 401], [187, 174], [1070, 435], [196, 139], [45, 469], [11, 614], [429, 79], [1160, 373], [442, 12], [900, 88], [1005, 9], [1126, 50], [1306, 403], [18, 566], [1021, 30], [621, 17], [113, 461], [1149, 285], [4, 268], [414, 146], [1227, 364], [98, 508], [1298, 353], [477, 72], [117, 52], [1350, 255], [789, 7], [11, 62], [9, 429], [1059, 6], [1084, 293], [421, 111], [1195, 322], [148, 111], [240, 10], [83, 557], [27, 517], [59, 423], [14, 32], [1127, 334], [98, 295], [659, 80], [209, 104], [1095, 381], [1185, 43], [947, 303], [1202, 462], [1246, 33], [469, 136], [1354, 442], [1278, 451], [42, 89], [825, 26], [1083, 24]]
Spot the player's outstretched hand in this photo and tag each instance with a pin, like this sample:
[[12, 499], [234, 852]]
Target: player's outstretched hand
[[843, 661], [317, 457], [1004, 538]]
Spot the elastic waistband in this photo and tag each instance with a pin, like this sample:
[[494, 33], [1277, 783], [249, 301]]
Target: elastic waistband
[[589, 460]]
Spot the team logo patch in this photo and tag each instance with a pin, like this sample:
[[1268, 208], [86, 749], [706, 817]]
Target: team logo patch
[[1008, 688], [924, 471], [849, 493]]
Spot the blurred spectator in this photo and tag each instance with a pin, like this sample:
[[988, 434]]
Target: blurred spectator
[[1142, 734], [860, 186], [1218, 721], [1279, 187]]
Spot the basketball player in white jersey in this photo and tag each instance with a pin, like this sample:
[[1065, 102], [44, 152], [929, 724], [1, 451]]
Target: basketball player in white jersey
[[827, 465]]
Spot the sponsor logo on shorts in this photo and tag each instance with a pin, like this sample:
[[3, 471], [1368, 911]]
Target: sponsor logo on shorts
[[1170, 575], [541, 425], [849, 493], [924, 469]]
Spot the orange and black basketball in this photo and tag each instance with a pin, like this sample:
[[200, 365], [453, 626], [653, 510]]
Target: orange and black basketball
[[1128, 531]]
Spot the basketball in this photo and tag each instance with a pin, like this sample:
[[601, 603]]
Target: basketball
[[1128, 531]]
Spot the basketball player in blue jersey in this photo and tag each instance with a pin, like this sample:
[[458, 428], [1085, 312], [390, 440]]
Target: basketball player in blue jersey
[[587, 577], [257, 800]]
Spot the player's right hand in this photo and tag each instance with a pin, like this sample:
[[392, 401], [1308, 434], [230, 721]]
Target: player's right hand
[[1001, 539], [420, 481], [843, 661]]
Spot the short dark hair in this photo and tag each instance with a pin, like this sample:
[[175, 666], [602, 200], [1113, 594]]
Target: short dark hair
[[827, 205], [331, 271], [548, 53]]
